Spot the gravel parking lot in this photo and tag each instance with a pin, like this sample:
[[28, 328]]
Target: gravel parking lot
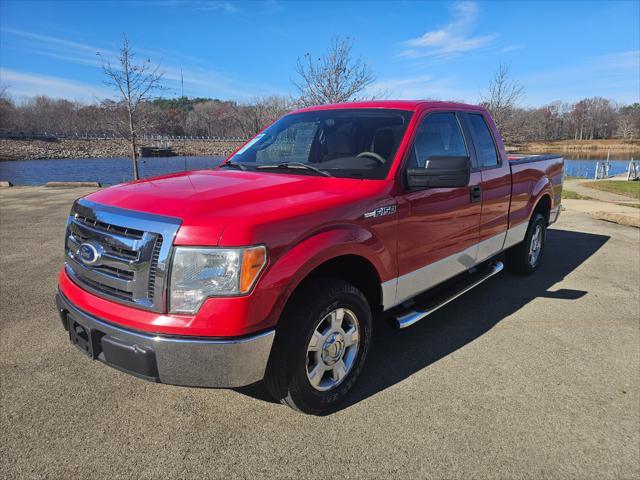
[[532, 377]]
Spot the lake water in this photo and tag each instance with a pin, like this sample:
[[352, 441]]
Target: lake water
[[587, 168], [106, 171], [109, 171]]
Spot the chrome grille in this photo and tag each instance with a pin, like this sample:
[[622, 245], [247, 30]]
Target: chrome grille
[[110, 291], [128, 253], [105, 227]]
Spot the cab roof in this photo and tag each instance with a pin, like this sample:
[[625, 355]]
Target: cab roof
[[393, 105]]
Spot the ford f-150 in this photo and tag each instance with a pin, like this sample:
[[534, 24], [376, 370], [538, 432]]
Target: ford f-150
[[276, 265]]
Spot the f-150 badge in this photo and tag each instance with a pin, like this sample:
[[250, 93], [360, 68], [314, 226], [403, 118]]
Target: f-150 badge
[[379, 212]]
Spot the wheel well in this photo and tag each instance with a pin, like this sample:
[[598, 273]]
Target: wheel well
[[356, 270], [543, 207]]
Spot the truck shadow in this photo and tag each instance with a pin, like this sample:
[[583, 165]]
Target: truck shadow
[[397, 354]]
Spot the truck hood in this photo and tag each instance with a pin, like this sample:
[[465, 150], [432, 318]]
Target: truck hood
[[208, 200]]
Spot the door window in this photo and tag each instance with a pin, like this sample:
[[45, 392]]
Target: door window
[[487, 153], [439, 135]]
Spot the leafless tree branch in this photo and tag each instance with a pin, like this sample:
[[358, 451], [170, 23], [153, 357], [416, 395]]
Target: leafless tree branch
[[135, 83], [333, 78], [502, 98]]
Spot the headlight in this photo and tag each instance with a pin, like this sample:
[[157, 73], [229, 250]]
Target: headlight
[[198, 273]]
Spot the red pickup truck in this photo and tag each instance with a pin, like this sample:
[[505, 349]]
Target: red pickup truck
[[276, 265]]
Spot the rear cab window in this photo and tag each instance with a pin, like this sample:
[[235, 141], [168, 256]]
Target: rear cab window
[[486, 151]]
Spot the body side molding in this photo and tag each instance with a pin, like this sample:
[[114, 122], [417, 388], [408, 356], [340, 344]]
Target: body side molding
[[400, 289]]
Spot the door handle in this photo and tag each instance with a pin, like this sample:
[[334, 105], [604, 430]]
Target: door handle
[[475, 193]]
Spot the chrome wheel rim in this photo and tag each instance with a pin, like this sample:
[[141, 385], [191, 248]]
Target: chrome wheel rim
[[332, 349], [536, 246]]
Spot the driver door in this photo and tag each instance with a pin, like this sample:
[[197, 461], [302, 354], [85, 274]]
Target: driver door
[[438, 229]]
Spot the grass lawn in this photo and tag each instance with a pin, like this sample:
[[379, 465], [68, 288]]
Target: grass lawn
[[573, 195], [621, 187]]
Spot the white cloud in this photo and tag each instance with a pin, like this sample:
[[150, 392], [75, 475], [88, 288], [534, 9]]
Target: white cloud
[[198, 80], [202, 5], [58, 43], [512, 48], [452, 39], [26, 84], [209, 5], [402, 88], [421, 87], [613, 76], [60, 48], [628, 62]]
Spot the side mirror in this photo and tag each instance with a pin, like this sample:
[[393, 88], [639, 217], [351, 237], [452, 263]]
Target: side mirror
[[440, 172]]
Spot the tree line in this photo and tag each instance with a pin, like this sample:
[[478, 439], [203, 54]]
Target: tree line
[[588, 119], [161, 116]]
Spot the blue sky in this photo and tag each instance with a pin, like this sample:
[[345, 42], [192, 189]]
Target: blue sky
[[240, 50]]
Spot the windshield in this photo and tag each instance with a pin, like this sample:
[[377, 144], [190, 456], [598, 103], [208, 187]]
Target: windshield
[[357, 143]]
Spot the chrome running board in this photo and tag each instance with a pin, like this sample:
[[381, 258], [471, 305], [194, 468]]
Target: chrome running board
[[406, 318]]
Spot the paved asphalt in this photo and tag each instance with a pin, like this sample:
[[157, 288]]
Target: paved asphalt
[[521, 378]]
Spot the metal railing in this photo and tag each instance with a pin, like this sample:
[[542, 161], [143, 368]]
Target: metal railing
[[633, 170], [113, 136]]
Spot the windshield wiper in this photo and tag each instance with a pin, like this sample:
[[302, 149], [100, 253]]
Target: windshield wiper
[[296, 165], [232, 164]]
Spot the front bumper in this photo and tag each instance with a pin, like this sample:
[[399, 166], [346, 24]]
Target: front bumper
[[202, 362]]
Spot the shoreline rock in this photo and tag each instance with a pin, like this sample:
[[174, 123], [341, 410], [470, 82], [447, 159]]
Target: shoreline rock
[[19, 149], [71, 184]]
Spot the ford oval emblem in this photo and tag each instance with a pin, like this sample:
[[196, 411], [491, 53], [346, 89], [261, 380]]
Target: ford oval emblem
[[88, 253]]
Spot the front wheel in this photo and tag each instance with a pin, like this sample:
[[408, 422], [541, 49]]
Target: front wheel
[[320, 347], [525, 258]]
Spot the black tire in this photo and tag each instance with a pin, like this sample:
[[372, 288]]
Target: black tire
[[518, 259], [287, 372]]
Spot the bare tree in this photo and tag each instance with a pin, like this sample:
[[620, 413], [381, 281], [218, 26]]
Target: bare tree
[[7, 109], [256, 115], [213, 118], [630, 125], [136, 84], [594, 118], [333, 78], [626, 126], [502, 98]]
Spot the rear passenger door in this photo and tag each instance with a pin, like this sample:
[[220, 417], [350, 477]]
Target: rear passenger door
[[437, 227], [496, 184]]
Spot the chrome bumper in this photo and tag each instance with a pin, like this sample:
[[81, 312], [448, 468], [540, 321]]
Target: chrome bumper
[[174, 360]]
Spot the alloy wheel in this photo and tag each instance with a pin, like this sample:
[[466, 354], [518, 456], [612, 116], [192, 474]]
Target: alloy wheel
[[332, 349]]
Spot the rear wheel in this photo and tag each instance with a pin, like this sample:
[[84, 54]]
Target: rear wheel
[[320, 347], [526, 257]]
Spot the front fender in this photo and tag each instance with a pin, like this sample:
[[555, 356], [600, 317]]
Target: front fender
[[295, 264]]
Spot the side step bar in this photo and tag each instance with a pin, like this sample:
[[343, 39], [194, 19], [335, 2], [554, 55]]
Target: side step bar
[[407, 318]]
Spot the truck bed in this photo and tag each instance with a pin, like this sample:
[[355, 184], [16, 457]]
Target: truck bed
[[530, 173]]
